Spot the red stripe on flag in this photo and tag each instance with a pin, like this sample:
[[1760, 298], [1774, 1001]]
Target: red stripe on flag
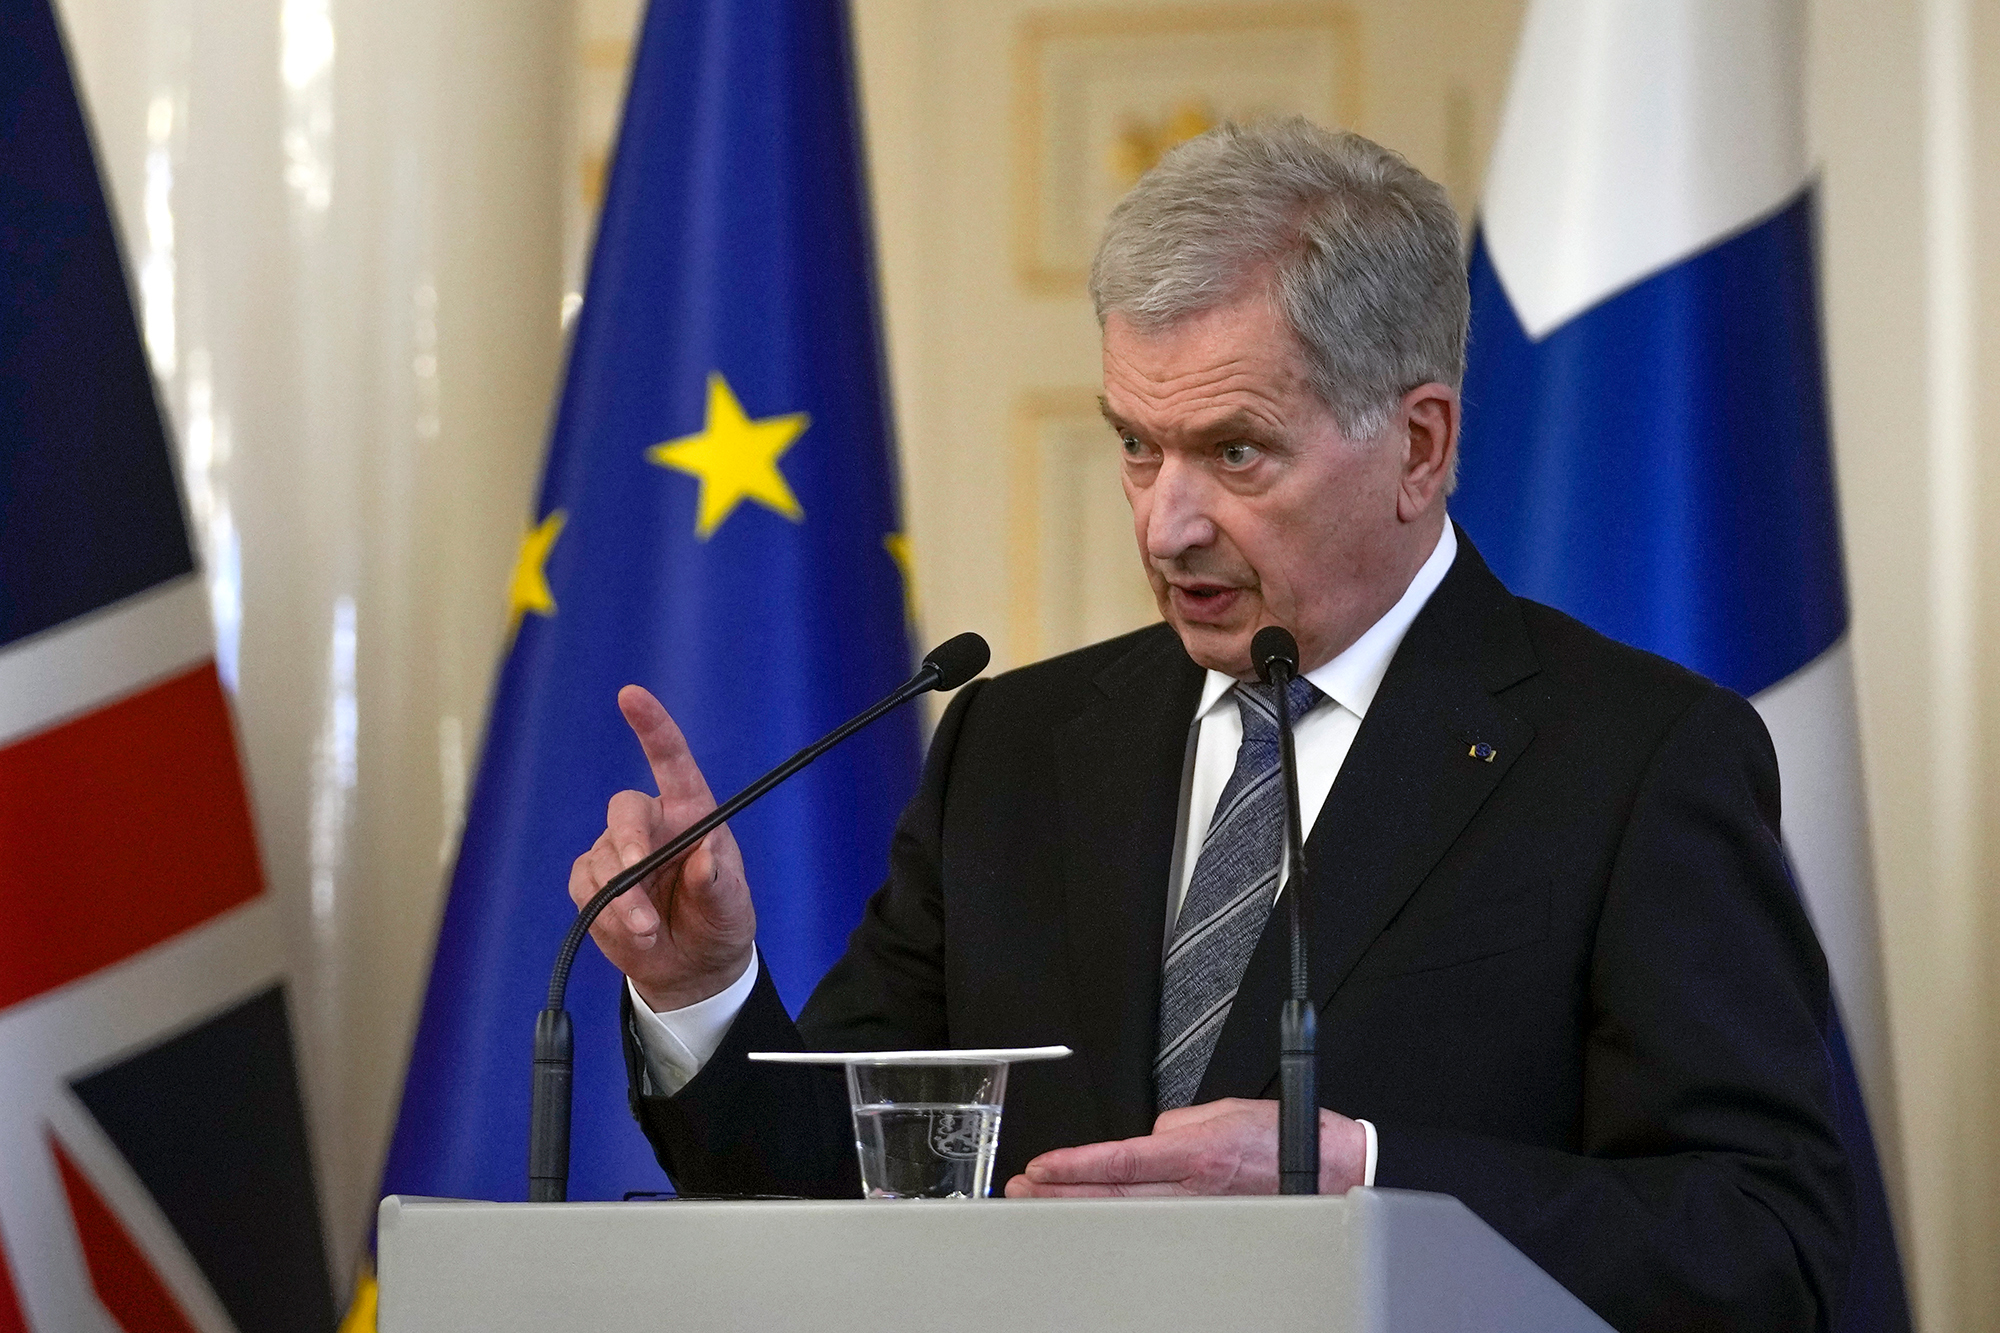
[[120, 1271], [120, 830], [11, 1318]]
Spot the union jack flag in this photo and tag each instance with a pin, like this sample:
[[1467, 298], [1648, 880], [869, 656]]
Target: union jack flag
[[154, 1170]]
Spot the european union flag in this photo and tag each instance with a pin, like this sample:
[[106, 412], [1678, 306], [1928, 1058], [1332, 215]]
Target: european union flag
[[718, 522]]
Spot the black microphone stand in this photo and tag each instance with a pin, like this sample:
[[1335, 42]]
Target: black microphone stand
[[948, 666], [1276, 655]]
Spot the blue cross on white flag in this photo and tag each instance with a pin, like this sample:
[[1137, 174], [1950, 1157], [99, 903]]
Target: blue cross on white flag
[[1646, 441]]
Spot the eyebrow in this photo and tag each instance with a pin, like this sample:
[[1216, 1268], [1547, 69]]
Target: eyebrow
[[1231, 424]]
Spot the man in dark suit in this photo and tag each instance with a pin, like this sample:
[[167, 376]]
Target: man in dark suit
[[1559, 968]]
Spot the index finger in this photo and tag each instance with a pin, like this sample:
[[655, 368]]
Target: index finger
[[666, 749], [1120, 1162]]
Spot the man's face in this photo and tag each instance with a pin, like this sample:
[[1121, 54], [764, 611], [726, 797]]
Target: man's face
[[1251, 506]]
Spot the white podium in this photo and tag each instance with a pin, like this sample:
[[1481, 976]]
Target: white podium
[[1373, 1261]]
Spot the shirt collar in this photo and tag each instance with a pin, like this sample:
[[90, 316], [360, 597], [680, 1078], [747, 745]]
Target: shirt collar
[[1352, 678]]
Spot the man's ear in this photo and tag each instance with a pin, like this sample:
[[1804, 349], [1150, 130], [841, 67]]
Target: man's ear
[[1429, 417]]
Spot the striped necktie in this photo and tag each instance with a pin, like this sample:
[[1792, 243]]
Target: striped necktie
[[1235, 881]]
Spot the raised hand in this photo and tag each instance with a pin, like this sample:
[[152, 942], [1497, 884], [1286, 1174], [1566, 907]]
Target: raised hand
[[687, 931], [1222, 1147]]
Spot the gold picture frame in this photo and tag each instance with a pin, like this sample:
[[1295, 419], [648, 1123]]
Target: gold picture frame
[[1100, 94]]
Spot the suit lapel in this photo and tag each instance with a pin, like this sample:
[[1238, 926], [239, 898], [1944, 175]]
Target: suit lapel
[[1408, 787], [1119, 766]]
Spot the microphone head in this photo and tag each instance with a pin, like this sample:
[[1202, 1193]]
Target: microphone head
[[1270, 646], [958, 660]]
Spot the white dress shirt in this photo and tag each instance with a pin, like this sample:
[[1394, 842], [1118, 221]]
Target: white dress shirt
[[676, 1044]]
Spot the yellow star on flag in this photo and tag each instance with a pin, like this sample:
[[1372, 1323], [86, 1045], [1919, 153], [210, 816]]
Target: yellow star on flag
[[528, 590], [898, 546], [735, 458]]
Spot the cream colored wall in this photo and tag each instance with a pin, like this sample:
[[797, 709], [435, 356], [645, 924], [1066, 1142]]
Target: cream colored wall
[[1905, 127]]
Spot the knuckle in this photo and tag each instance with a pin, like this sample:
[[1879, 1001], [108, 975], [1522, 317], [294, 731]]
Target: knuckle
[[628, 810], [584, 880], [1213, 1163]]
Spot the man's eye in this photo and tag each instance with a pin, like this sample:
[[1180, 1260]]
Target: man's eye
[[1130, 444], [1238, 455]]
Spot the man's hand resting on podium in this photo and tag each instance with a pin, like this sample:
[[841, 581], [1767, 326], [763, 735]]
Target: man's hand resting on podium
[[1225, 1147], [687, 932]]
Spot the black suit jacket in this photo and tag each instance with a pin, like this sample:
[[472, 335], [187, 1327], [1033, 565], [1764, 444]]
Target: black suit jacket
[[1570, 984]]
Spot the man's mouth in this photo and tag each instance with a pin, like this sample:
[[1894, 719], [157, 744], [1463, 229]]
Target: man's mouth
[[1205, 601]]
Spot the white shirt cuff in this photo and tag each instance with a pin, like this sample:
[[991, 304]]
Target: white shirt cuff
[[679, 1042], [1368, 1165]]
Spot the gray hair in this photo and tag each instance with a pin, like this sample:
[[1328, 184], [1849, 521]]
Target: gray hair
[[1361, 249]]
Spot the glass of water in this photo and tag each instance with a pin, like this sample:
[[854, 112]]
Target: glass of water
[[926, 1129], [926, 1123]]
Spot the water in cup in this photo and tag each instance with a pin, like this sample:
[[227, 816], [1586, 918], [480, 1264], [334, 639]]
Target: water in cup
[[927, 1150]]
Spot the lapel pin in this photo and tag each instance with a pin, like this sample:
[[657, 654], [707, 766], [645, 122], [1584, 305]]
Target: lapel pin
[[1483, 752]]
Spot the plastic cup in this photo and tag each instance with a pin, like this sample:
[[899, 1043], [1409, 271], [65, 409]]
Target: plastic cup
[[926, 1123], [926, 1129]]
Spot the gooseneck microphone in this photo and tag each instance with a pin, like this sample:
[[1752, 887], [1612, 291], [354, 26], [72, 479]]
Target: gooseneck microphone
[[945, 667], [1275, 655]]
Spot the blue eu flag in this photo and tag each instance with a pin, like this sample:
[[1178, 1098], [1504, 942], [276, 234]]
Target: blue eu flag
[[718, 522]]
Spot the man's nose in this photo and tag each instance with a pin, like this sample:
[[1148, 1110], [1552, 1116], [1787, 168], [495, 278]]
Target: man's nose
[[1178, 520]]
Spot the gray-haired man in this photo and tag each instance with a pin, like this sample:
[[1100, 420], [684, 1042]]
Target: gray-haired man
[[1559, 969]]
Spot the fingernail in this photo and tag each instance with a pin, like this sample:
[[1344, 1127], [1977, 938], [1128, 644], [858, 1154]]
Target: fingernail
[[630, 856]]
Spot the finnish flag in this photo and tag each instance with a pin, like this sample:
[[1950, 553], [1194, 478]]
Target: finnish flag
[[1646, 438]]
